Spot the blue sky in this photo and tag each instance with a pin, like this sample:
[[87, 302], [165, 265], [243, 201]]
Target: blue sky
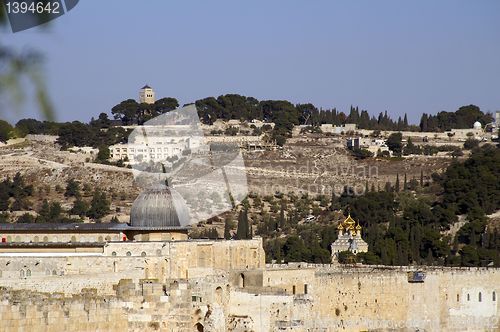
[[399, 56]]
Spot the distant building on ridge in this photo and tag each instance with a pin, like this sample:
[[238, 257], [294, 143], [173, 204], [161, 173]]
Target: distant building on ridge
[[146, 95]]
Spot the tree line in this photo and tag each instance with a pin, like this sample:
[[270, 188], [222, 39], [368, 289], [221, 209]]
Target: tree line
[[283, 113]]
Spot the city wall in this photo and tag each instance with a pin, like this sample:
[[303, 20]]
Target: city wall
[[225, 286]]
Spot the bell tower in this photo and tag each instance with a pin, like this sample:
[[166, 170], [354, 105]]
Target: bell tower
[[146, 95]]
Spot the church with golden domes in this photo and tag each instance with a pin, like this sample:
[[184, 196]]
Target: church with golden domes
[[349, 238]]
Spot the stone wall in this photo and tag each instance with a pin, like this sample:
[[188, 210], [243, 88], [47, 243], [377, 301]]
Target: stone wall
[[225, 286], [381, 298], [27, 311]]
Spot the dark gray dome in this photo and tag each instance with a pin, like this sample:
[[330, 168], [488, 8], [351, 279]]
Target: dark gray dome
[[159, 207]]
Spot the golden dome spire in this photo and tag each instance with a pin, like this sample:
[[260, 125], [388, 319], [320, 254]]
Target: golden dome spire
[[349, 221]]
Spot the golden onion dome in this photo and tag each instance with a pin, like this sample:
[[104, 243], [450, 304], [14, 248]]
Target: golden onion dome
[[349, 220]]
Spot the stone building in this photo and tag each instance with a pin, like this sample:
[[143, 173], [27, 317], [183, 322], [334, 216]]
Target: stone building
[[147, 95], [349, 239], [157, 143]]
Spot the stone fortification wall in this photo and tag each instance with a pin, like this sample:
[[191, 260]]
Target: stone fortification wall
[[370, 298], [28, 311]]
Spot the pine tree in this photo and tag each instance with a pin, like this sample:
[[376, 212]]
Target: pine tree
[[72, 189], [55, 211], [44, 213], [79, 207], [99, 206]]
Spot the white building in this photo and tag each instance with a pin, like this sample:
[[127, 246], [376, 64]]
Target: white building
[[349, 239], [342, 129], [156, 144], [374, 145], [146, 95]]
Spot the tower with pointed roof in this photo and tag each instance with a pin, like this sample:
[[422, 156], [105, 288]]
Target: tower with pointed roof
[[349, 239], [146, 95]]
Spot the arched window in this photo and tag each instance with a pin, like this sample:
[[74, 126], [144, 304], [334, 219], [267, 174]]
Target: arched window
[[129, 253], [480, 298], [21, 273], [45, 239], [73, 238], [36, 239], [28, 273], [494, 296], [143, 254], [468, 297], [99, 239], [218, 295], [458, 297], [158, 252], [113, 253], [199, 327], [54, 272]]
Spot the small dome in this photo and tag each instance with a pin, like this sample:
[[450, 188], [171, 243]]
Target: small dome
[[477, 125], [159, 207]]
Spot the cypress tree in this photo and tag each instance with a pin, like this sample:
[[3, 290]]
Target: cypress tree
[[405, 184], [333, 203], [397, 183], [242, 228], [421, 178], [282, 215], [227, 229]]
